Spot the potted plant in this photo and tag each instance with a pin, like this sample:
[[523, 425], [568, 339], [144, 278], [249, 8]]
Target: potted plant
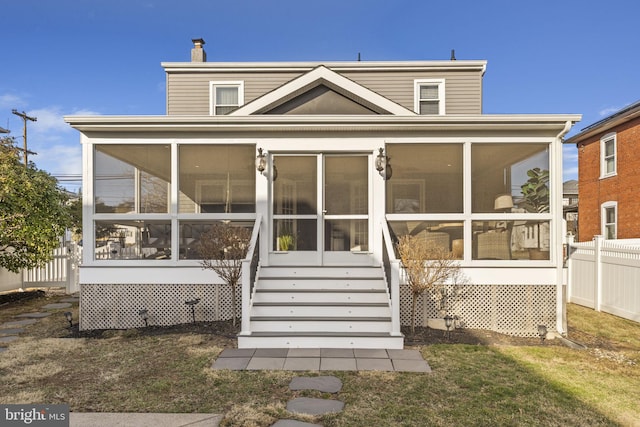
[[285, 242], [535, 198]]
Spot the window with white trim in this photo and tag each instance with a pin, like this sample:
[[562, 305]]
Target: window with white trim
[[226, 97], [609, 217], [429, 97], [608, 155]]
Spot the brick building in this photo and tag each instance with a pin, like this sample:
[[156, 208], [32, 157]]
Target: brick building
[[609, 176]]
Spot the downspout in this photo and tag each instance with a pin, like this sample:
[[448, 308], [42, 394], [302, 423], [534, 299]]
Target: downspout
[[561, 306]]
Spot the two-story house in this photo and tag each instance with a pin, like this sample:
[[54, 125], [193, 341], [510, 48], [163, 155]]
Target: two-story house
[[327, 162], [608, 176]]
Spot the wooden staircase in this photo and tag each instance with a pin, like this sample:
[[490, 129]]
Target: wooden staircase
[[320, 307]]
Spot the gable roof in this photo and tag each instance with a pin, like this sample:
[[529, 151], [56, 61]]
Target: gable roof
[[322, 76], [624, 115]]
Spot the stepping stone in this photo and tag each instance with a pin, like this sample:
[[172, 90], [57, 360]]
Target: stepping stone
[[405, 354], [326, 384], [56, 306], [293, 423], [336, 352], [371, 353], [70, 299], [6, 340], [303, 352], [302, 364], [374, 365], [3, 349], [337, 364], [408, 365], [14, 331], [237, 352], [231, 363], [312, 406], [271, 352], [18, 323], [266, 364], [34, 315]]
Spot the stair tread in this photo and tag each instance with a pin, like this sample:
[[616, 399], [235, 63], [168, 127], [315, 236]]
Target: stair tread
[[321, 304], [321, 318], [317, 290], [318, 334]]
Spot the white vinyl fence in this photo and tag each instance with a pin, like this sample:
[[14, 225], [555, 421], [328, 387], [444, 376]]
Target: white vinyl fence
[[62, 271], [605, 275]]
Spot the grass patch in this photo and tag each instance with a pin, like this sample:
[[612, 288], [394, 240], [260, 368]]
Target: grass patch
[[127, 371]]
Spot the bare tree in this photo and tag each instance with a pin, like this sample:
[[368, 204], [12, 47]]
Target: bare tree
[[222, 248], [428, 268]]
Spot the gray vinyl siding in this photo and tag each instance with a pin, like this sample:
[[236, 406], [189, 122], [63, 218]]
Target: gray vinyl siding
[[463, 90], [188, 93]]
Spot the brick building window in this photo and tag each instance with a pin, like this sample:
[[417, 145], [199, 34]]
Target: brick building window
[[608, 155], [610, 220]]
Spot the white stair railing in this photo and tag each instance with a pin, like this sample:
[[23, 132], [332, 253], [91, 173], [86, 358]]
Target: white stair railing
[[249, 270], [392, 272]]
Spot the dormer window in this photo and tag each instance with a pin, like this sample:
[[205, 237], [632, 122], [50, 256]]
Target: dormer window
[[226, 97], [429, 97]]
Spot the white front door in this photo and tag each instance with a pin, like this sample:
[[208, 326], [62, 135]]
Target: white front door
[[321, 209]]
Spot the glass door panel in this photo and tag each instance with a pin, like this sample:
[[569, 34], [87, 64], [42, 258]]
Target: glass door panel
[[320, 209], [346, 208], [295, 204]]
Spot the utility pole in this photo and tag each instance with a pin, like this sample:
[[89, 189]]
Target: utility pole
[[24, 117]]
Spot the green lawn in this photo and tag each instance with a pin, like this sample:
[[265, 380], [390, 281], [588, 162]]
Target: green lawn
[[469, 385]]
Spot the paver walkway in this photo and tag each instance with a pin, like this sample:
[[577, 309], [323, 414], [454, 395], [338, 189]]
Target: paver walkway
[[11, 330], [325, 359]]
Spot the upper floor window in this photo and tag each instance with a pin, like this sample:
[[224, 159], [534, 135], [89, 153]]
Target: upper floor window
[[226, 97], [610, 220], [608, 155], [429, 97]]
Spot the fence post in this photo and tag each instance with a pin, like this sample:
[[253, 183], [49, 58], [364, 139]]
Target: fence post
[[570, 240], [597, 252]]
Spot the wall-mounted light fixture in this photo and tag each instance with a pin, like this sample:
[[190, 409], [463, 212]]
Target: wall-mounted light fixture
[[382, 164], [261, 161]]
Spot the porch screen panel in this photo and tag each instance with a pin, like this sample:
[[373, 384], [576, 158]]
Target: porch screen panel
[[217, 179], [502, 170], [133, 239], [511, 240], [437, 235], [426, 178], [132, 178]]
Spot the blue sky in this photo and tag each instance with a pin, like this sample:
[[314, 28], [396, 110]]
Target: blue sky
[[103, 57]]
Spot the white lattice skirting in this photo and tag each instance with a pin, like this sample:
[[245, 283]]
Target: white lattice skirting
[[510, 309], [105, 306]]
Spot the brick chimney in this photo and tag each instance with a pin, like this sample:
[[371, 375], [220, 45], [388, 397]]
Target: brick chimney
[[197, 53]]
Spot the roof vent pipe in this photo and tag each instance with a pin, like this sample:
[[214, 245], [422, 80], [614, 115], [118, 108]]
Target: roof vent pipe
[[197, 53]]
